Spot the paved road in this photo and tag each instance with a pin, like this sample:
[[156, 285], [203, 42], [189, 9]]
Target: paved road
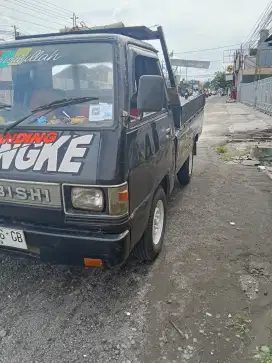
[[233, 119], [184, 308]]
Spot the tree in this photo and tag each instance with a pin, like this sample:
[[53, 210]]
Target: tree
[[219, 80], [207, 84]]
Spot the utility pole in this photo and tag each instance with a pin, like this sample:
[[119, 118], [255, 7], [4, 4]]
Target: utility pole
[[257, 66], [16, 33], [255, 77], [74, 19]]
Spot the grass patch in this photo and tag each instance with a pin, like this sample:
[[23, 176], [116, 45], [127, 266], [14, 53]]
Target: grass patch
[[221, 149], [241, 325], [263, 355]]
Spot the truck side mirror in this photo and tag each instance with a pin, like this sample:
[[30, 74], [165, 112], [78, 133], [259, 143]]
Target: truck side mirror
[[151, 93]]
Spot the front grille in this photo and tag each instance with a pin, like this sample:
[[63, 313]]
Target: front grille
[[30, 193]]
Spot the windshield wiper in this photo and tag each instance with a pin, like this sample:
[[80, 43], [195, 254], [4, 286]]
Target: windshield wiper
[[51, 106]]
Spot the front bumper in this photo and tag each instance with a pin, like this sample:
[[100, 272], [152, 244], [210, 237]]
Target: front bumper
[[70, 246]]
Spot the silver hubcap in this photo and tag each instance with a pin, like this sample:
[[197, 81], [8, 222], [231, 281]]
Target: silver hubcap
[[158, 221]]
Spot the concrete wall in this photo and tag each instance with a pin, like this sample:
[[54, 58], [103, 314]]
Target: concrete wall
[[265, 55]]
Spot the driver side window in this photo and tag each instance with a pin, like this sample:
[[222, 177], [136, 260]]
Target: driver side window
[[143, 66]]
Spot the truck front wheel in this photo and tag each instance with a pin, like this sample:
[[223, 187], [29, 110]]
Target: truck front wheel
[[185, 172], [150, 245]]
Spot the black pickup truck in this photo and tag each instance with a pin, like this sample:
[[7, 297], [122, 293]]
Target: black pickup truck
[[91, 141]]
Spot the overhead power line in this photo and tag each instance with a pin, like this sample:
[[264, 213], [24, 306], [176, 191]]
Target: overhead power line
[[208, 49], [59, 14], [5, 31], [263, 22], [30, 22], [198, 75], [252, 31], [25, 13], [49, 12], [49, 4]]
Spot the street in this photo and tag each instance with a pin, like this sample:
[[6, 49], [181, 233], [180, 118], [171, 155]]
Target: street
[[206, 299]]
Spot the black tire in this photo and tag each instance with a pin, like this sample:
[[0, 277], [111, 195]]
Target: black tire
[[185, 172], [146, 250]]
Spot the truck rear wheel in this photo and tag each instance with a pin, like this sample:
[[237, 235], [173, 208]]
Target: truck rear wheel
[[185, 172], [150, 245]]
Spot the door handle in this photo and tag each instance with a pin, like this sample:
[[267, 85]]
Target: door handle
[[168, 131]]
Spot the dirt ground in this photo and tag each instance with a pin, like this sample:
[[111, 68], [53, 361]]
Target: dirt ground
[[207, 298]]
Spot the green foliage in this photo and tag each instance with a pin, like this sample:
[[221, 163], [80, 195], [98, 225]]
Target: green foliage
[[221, 149], [219, 80], [242, 326], [263, 354], [207, 84]]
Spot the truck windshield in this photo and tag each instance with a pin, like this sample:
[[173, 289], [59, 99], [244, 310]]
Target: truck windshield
[[31, 77]]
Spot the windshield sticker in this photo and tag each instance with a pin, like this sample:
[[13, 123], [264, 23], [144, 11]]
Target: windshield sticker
[[42, 120], [102, 111], [15, 57], [41, 152], [79, 120], [55, 121], [107, 109]]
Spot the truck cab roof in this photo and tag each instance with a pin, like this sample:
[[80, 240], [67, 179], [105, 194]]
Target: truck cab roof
[[138, 35], [135, 32], [68, 38]]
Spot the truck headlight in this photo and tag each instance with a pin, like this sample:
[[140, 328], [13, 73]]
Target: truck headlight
[[87, 198]]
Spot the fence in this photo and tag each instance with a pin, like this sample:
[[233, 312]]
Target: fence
[[257, 94]]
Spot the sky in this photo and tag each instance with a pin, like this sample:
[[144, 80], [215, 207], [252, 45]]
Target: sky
[[188, 26]]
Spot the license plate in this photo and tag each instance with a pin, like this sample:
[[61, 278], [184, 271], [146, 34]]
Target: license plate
[[12, 238]]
